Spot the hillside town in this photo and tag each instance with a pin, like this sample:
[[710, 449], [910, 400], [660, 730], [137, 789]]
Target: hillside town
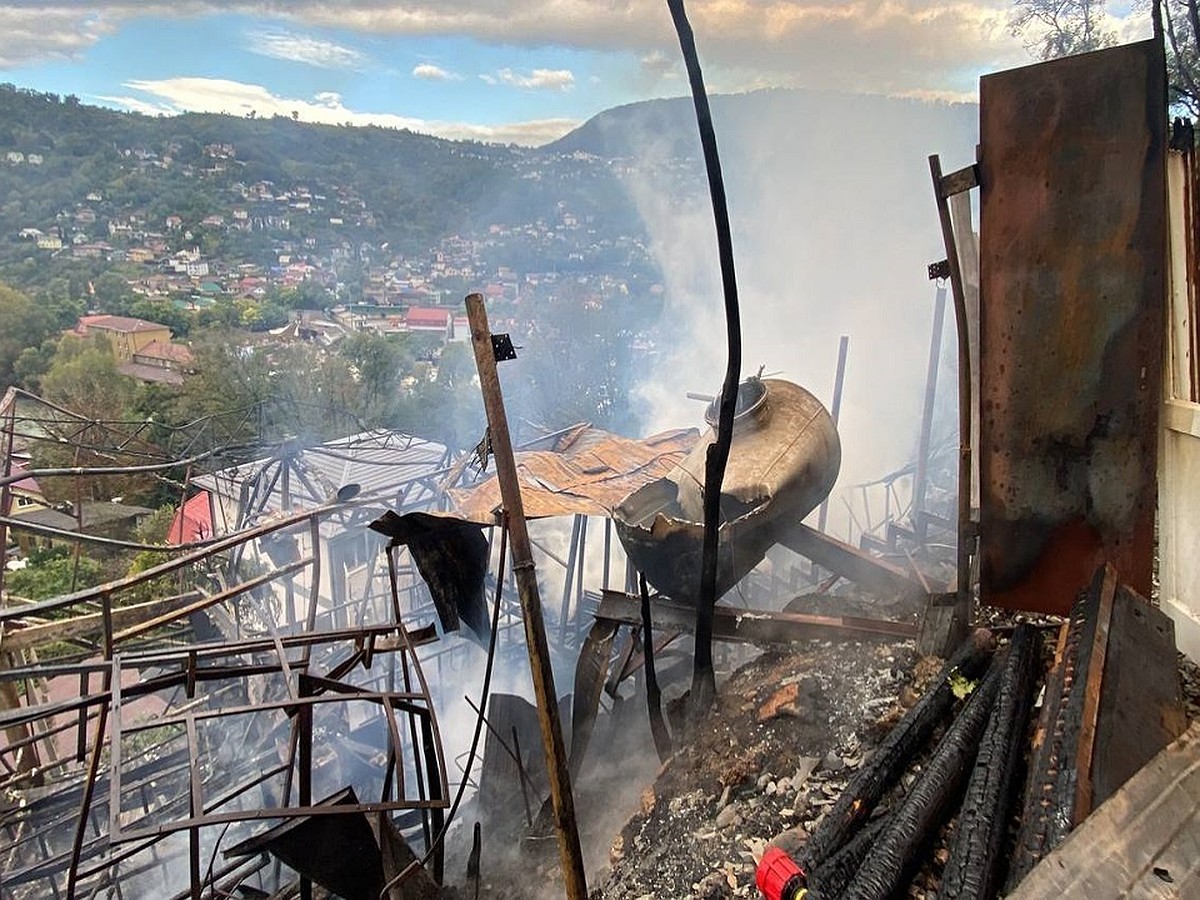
[[256, 239]]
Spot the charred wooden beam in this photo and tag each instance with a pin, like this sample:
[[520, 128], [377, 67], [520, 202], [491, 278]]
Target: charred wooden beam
[[590, 672], [874, 779], [1112, 704], [929, 802], [833, 876], [875, 575], [749, 625], [1047, 815], [975, 855], [658, 725]]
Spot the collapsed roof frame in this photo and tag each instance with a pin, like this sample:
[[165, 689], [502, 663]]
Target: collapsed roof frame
[[202, 677]]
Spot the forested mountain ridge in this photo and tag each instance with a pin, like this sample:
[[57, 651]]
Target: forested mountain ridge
[[70, 169]]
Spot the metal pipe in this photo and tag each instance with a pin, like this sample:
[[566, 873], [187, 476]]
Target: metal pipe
[[835, 410], [964, 388], [920, 480]]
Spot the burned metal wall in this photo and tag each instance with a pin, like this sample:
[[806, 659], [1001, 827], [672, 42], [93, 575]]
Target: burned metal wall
[[1072, 264]]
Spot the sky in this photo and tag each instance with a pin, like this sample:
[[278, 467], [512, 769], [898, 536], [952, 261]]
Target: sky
[[522, 71]]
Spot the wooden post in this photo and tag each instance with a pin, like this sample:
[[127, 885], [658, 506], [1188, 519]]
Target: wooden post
[[531, 604]]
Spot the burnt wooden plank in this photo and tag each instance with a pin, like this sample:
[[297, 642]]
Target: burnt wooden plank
[[1150, 823], [1140, 706], [749, 625], [871, 574]]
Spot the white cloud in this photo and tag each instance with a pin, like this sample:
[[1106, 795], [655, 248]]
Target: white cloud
[[897, 46], [134, 104], [431, 72], [538, 79], [215, 95], [300, 48], [58, 32]]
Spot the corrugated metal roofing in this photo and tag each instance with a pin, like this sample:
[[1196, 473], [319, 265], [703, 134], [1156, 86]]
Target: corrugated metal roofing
[[383, 463], [589, 471]]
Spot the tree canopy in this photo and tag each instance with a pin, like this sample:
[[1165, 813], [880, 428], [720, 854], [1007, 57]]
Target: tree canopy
[[1055, 28]]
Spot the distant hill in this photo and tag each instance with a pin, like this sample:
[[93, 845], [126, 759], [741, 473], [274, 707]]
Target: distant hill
[[383, 185], [668, 126]]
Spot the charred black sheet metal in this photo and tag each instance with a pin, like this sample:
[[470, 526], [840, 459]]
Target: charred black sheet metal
[[452, 556], [1072, 264]]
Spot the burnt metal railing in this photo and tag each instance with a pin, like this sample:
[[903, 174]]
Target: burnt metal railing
[[150, 736]]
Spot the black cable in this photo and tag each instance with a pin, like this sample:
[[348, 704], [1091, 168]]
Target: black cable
[[703, 680]]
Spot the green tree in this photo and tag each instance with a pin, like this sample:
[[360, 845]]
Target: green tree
[[228, 388], [377, 362], [33, 363], [23, 324], [52, 574], [1181, 31], [111, 293], [1054, 28], [83, 377]]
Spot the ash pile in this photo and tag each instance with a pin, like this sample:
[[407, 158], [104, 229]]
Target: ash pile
[[878, 773]]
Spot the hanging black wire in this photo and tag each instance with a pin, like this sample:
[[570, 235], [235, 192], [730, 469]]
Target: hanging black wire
[[703, 680]]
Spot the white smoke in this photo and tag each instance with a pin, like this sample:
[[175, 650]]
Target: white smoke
[[834, 224]]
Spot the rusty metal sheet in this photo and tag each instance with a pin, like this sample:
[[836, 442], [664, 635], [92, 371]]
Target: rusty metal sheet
[[1072, 260], [588, 475]]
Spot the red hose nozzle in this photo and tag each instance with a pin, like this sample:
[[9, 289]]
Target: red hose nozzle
[[779, 878]]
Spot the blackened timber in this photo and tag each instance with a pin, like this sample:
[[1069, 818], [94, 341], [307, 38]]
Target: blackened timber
[[869, 573], [1048, 812], [591, 669], [658, 725], [957, 182], [750, 625], [975, 855], [929, 802], [832, 876], [903, 742]]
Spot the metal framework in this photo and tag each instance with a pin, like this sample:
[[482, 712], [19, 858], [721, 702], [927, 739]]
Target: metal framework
[[137, 757]]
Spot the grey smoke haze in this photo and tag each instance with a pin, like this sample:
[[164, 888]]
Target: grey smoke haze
[[834, 224]]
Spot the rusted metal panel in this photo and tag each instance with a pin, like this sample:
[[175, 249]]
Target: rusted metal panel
[[1071, 328], [588, 475]]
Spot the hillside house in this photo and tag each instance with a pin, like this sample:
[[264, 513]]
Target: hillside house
[[428, 320], [125, 335], [159, 362], [26, 494]]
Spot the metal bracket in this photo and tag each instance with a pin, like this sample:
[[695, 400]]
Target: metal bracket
[[939, 271], [502, 348]]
